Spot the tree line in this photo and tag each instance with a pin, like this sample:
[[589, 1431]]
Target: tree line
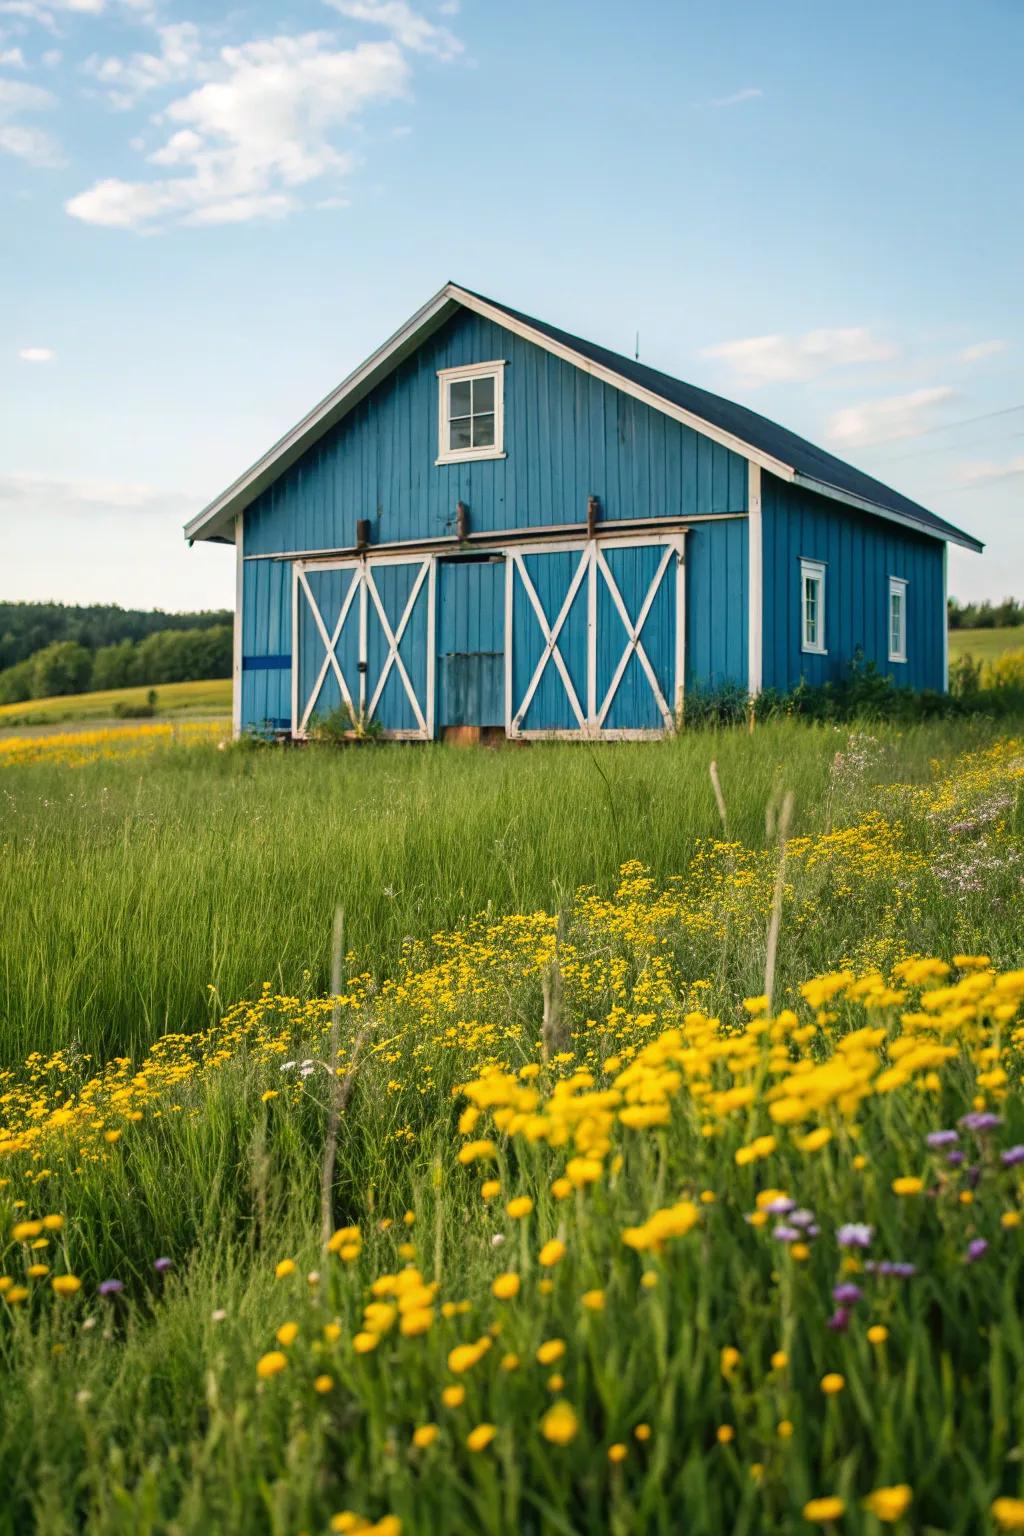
[[189, 652], [26, 628], [985, 615]]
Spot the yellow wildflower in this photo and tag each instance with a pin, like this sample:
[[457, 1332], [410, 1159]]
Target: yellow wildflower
[[270, 1364], [480, 1438], [889, 1504], [560, 1424]]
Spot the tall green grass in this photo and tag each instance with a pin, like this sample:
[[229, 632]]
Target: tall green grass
[[141, 897], [129, 889]]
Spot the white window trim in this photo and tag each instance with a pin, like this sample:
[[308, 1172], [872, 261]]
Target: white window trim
[[816, 570], [447, 376], [897, 584]]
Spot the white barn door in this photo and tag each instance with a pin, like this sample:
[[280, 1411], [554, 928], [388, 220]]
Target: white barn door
[[363, 639], [595, 637]]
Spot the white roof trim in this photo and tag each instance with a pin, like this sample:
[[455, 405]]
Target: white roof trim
[[863, 504], [214, 520]]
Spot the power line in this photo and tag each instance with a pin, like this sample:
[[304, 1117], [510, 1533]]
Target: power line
[[927, 453], [948, 426]]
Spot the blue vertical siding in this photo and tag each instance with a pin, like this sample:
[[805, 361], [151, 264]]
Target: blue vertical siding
[[567, 436], [471, 642], [716, 605], [266, 645], [860, 554]]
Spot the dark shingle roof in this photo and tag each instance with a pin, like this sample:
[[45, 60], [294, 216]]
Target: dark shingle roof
[[751, 428]]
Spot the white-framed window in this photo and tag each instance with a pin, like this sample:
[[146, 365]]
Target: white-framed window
[[897, 619], [471, 413], [812, 606]]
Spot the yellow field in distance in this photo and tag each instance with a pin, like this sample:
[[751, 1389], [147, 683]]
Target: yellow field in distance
[[209, 698]]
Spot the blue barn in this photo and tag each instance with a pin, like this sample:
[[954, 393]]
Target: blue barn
[[494, 524]]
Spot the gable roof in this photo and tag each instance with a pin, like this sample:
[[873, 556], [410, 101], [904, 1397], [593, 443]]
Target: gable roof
[[753, 436]]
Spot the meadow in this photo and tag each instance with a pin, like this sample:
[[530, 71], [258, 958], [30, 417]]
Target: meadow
[[179, 700], [651, 1162], [985, 645]]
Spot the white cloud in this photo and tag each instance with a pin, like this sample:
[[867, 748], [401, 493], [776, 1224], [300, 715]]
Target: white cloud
[[408, 28], [246, 139], [127, 80], [779, 359], [12, 58], [981, 471], [748, 93], [37, 354], [48, 13], [882, 421], [46, 495], [980, 350], [20, 139]]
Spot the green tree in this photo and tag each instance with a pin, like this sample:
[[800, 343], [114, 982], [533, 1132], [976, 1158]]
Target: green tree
[[116, 666], [16, 683], [63, 667]]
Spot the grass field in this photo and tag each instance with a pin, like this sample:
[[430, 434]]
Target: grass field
[[206, 699], [646, 1174], [985, 644]]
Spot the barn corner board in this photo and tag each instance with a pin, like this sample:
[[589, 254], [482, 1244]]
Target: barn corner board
[[495, 527]]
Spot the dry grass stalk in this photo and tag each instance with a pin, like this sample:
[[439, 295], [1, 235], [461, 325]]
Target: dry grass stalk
[[716, 785], [782, 831], [340, 1088], [554, 1031]]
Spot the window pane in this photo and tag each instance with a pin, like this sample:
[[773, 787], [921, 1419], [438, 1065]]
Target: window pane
[[812, 610], [459, 434], [483, 394], [459, 398], [483, 431]]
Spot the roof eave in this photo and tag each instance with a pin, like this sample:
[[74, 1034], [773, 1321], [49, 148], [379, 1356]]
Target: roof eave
[[948, 534], [215, 520]]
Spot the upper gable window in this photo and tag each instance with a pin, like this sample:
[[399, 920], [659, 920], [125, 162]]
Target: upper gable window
[[471, 413]]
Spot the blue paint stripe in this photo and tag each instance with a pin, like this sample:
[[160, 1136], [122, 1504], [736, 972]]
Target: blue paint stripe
[[266, 663]]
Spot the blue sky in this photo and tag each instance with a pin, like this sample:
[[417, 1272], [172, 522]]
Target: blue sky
[[209, 214]]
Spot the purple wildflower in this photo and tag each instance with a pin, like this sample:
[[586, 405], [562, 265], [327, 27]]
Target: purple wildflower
[[803, 1219], [780, 1206], [840, 1320], [975, 1250], [783, 1234], [846, 1294], [110, 1287], [855, 1234], [936, 1139], [954, 1159], [163, 1265], [898, 1269], [1013, 1155], [980, 1120]]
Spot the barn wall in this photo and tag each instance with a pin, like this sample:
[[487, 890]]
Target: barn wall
[[860, 553], [266, 645], [567, 436], [716, 605]]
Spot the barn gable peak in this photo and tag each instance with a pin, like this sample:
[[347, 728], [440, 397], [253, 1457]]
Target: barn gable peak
[[756, 438]]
